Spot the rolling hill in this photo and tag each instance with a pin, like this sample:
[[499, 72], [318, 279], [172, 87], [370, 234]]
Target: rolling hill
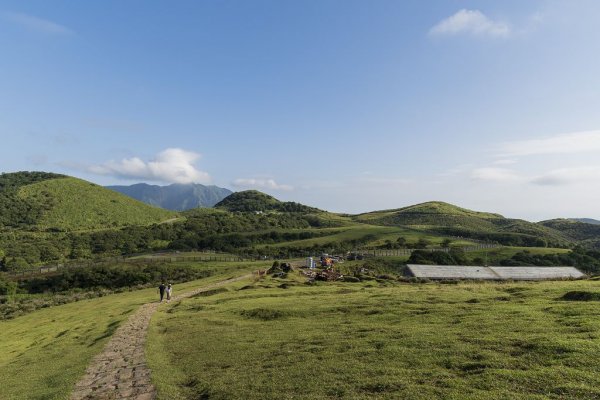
[[46, 217], [581, 232], [586, 220], [255, 201], [447, 219], [175, 197], [41, 201]]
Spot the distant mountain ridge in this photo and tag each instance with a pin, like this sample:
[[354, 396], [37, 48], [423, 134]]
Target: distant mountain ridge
[[175, 197]]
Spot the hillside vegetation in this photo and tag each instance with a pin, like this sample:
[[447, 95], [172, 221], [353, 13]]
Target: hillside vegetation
[[40, 201], [447, 219], [14, 212], [52, 218], [583, 232], [255, 201]]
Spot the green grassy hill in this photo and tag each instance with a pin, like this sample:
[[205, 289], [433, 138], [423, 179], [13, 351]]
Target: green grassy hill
[[433, 213], [40, 201], [255, 201], [582, 232], [447, 219], [48, 217]]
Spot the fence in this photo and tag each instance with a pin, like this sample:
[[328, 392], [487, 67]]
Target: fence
[[408, 252], [215, 257], [139, 259]]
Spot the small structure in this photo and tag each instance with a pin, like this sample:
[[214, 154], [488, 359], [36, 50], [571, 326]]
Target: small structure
[[441, 272]]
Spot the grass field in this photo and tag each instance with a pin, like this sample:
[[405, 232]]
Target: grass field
[[279, 339], [42, 354]]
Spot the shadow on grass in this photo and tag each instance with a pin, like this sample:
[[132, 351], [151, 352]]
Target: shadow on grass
[[110, 329]]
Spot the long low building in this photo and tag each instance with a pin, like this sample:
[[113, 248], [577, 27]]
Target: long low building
[[440, 272]]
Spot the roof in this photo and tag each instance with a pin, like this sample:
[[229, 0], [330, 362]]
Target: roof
[[492, 273], [451, 272]]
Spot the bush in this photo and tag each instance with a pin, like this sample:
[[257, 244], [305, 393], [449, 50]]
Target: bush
[[112, 277], [577, 295], [263, 314], [7, 287]]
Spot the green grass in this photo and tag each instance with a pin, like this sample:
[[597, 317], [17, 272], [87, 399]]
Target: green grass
[[359, 231], [76, 205], [44, 353], [379, 341], [439, 216]]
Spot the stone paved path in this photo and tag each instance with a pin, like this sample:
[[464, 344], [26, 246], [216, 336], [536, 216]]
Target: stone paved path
[[120, 371]]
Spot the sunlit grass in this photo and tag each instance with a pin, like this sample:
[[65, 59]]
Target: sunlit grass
[[371, 340]]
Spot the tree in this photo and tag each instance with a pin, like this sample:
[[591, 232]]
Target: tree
[[422, 243], [401, 241]]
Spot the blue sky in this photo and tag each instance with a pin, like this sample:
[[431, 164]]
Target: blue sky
[[346, 105]]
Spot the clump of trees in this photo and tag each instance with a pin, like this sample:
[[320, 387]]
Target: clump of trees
[[455, 256], [14, 212], [584, 259], [220, 231]]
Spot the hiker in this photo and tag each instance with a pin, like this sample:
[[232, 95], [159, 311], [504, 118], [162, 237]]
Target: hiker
[[169, 292], [161, 290]]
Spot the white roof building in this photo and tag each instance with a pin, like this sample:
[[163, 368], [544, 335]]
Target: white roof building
[[492, 273]]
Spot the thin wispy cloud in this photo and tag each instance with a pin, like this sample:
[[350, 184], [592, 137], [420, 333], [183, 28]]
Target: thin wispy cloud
[[36, 24], [171, 166], [567, 176], [493, 174], [587, 174], [252, 183], [470, 22], [569, 143]]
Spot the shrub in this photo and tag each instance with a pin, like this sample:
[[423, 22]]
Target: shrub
[[578, 295]]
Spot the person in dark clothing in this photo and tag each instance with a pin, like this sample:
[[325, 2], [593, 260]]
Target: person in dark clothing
[[161, 290]]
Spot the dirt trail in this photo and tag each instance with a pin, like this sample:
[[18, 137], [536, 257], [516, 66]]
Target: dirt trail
[[120, 371]]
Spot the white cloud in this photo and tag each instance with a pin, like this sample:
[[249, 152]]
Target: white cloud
[[171, 165], [492, 174], [566, 176], [37, 24], [247, 183], [472, 22], [569, 143]]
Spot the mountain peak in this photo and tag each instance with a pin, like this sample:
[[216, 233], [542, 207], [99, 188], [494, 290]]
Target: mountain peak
[[176, 196]]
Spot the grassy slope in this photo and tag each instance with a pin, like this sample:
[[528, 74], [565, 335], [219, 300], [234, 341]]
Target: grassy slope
[[472, 340], [425, 213], [358, 231], [42, 354], [433, 215], [584, 232], [80, 205]]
